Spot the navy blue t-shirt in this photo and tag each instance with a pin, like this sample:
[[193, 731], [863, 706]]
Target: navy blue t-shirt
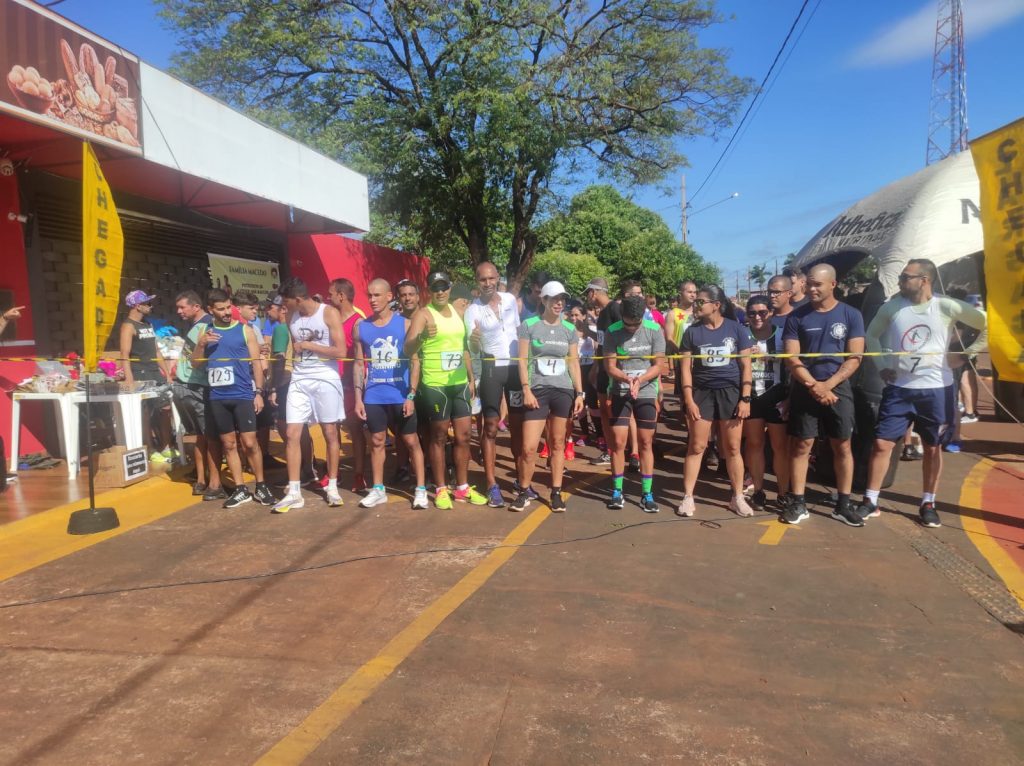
[[714, 371], [824, 332]]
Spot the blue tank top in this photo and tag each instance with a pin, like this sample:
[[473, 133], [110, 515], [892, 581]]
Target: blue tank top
[[387, 373], [228, 373]]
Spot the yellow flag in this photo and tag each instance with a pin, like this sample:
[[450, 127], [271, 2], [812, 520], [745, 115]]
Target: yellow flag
[[999, 159], [102, 257]]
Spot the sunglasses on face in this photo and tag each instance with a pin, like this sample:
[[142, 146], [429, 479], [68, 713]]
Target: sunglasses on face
[[699, 302], [908, 277], [762, 314], [773, 293], [440, 288]]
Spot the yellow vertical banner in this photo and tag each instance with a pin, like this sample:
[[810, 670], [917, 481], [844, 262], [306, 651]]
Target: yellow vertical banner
[[999, 160], [102, 257]]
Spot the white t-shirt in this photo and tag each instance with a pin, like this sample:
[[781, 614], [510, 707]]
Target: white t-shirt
[[499, 332]]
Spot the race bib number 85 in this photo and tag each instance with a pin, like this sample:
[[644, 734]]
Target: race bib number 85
[[221, 376], [715, 356]]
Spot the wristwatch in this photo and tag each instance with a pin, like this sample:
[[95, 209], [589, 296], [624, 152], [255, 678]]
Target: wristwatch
[[745, 399], [411, 396], [579, 394]]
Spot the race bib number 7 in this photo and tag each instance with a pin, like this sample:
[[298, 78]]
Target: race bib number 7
[[221, 376], [451, 360]]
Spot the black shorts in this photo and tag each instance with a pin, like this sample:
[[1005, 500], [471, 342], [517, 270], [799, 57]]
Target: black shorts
[[717, 403], [381, 417], [805, 413], [190, 399], [497, 383], [556, 402], [442, 403], [644, 410], [230, 415], [266, 417], [766, 406], [589, 391]]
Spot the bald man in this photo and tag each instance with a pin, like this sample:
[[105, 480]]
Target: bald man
[[821, 390]]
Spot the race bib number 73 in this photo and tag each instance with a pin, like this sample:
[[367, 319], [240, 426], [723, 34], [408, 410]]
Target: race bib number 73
[[451, 360]]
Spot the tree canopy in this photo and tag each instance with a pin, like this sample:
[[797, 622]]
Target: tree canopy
[[466, 114], [629, 241]]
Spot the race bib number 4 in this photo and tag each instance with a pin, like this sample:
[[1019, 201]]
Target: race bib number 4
[[551, 366], [221, 376], [451, 360]]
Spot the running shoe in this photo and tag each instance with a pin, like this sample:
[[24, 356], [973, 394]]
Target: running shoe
[[544, 451], [519, 504], [603, 459], [929, 516], [686, 507], [288, 502], [419, 499], [846, 513], [158, 457], [469, 495], [376, 496], [616, 502], [529, 490], [868, 510], [581, 442], [333, 498], [556, 503], [759, 499], [910, 453], [215, 493], [502, 426], [570, 451], [748, 483], [443, 499], [263, 495], [358, 483], [494, 498], [795, 512], [402, 476], [198, 489], [969, 417], [952, 447], [634, 464], [240, 496], [711, 461], [648, 504], [782, 502], [740, 506]]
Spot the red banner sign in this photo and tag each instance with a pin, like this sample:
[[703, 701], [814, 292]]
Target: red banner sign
[[58, 74]]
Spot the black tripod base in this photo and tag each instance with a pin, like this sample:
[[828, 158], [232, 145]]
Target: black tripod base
[[89, 521]]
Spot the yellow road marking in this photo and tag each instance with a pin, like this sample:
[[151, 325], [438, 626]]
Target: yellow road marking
[[978, 533], [776, 529], [41, 538], [347, 698]]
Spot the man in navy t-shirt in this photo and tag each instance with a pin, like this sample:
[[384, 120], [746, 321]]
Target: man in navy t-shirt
[[821, 389]]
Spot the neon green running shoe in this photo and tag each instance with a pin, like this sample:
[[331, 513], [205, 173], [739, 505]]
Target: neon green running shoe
[[443, 499], [470, 495]]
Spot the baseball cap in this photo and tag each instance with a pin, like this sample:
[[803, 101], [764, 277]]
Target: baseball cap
[[135, 297], [553, 289], [597, 284], [274, 298], [439, 276]]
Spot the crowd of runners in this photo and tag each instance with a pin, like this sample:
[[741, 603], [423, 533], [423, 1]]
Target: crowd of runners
[[758, 385]]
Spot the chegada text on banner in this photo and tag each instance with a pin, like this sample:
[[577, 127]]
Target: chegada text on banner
[[102, 258], [999, 159]]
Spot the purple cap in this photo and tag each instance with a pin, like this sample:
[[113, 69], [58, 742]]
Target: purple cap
[[135, 297]]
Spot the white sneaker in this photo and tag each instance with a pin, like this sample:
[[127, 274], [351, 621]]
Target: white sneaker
[[740, 507], [419, 500], [334, 498], [288, 502], [686, 507], [375, 496]]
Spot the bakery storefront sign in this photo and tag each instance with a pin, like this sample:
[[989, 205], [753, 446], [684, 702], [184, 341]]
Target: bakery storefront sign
[[60, 75]]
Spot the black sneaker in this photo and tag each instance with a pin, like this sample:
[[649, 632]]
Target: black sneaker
[[616, 502], [519, 504], [216, 493], [868, 510], [402, 476], [795, 512], [263, 495], [198, 489], [929, 517], [557, 504], [240, 496], [634, 464], [782, 502], [759, 499], [846, 513], [648, 503]]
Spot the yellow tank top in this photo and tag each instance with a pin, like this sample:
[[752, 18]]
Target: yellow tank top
[[443, 361], [682, 319]]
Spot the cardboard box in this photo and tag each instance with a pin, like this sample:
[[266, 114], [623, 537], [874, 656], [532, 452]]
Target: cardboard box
[[121, 467]]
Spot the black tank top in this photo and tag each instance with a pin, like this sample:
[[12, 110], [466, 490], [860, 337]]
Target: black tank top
[[144, 349]]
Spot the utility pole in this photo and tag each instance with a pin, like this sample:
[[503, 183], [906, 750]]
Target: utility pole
[[776, 265], [947, 122], [685, 239]]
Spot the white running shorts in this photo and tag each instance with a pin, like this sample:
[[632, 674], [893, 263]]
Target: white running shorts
[[315, 400]]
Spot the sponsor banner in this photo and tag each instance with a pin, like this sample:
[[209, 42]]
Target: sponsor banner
[[60, 75], [999, 159], [235, 274], [102, 258]]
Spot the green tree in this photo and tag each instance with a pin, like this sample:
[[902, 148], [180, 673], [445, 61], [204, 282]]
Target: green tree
[[759, 275], [574, 270], [630, 241], [464, 114]]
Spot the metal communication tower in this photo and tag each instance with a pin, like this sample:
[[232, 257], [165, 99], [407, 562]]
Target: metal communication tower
[[947, 123]]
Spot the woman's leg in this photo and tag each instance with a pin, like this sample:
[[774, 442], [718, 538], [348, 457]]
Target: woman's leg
[[532, 429], [730, 436], [780, 456], [753, 450], [697, 442], [556, 445]]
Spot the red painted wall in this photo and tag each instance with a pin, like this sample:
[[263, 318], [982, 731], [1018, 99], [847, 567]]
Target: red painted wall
[[317, 259], [14, 277]]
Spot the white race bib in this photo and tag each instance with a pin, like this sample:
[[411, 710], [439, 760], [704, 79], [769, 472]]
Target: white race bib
[[385, 357], [715, 356], [451, 360], [515, 398], [634, 373], [221, 376], [549, 366]]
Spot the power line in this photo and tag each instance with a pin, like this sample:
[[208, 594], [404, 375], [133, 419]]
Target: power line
[[757, 95]]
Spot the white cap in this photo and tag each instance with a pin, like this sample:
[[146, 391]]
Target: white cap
[[553, 289]]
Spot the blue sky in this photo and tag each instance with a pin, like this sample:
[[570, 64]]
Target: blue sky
[[847, 115]]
